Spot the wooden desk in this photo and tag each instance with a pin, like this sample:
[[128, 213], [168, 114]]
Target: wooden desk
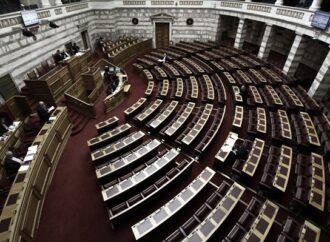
[[173, 70], [184, 68], [258, 76], [261, 121], [148, 75], [313, 137], [146, 114], [226, 148], [255, 154], [317, 193], [242, 75], [162, 117], [217, 216], [275, 97], [230, 78], [198, 127], [161, 72], [22, 209], [292, 95], [117, 146], [165, 88], [150, 88], [194, 87], [256, 95], [107, 124], [127, 160], [176, 125], [12, 138], [135, 107], [209, 87], [241, 62], [275, 77], [151, 222], [179, 88], [139, 177], [238, 116], [263, 223], [309, 233], [282, 174], [285, 124], [108, 136], [237, 94], [199, 70], [218, 67]]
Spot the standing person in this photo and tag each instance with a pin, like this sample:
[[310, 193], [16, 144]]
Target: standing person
[[43, 112]]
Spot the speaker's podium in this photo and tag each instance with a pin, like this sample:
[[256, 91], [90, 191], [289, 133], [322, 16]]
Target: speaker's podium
[[77, 63]]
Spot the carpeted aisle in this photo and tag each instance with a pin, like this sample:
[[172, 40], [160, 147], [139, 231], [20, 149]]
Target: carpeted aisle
[[73, 208]]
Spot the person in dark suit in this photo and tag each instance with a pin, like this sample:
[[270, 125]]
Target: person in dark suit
[[12, 163], [3, 126], [75, 48], [43, 112], [58, 57]]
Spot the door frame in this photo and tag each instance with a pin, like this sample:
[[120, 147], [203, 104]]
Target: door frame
[[161, 18], [169, 31]]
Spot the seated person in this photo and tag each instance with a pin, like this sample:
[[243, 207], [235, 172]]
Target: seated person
[[12, 163], [243, 91], [58, 57], [162, 61], [240, 152], [3, 126], [43, 112], [75, 48]]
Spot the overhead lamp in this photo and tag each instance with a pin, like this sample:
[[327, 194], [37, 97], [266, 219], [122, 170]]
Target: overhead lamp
[[28, 33], [53, 25]]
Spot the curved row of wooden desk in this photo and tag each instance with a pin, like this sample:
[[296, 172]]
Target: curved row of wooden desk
[[21, 213]]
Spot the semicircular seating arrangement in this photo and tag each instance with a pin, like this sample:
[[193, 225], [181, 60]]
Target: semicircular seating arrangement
[[221, 147]]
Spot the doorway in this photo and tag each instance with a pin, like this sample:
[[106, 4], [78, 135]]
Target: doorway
[[162, 35], [84, 36]]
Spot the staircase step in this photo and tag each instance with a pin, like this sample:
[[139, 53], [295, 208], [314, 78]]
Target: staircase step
[[78, 120]]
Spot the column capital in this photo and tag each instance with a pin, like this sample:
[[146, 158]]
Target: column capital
[[316, 5], [45, 3], [279, 2], [58, 2], [299, 33]]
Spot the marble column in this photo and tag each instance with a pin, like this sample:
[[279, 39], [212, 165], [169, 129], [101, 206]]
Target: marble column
[[321, 83], [58, 2], [279, 2], [295, 55], [240, 35], [266, 43], [316, 5], [45, 3]]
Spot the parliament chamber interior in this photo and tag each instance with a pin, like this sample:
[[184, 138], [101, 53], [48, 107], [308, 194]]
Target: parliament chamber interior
[[165, 120]]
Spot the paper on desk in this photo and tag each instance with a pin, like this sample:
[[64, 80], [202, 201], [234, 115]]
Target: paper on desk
[[28, 158], [24, 167], [33, 148], [52, 118], [51, 109]]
